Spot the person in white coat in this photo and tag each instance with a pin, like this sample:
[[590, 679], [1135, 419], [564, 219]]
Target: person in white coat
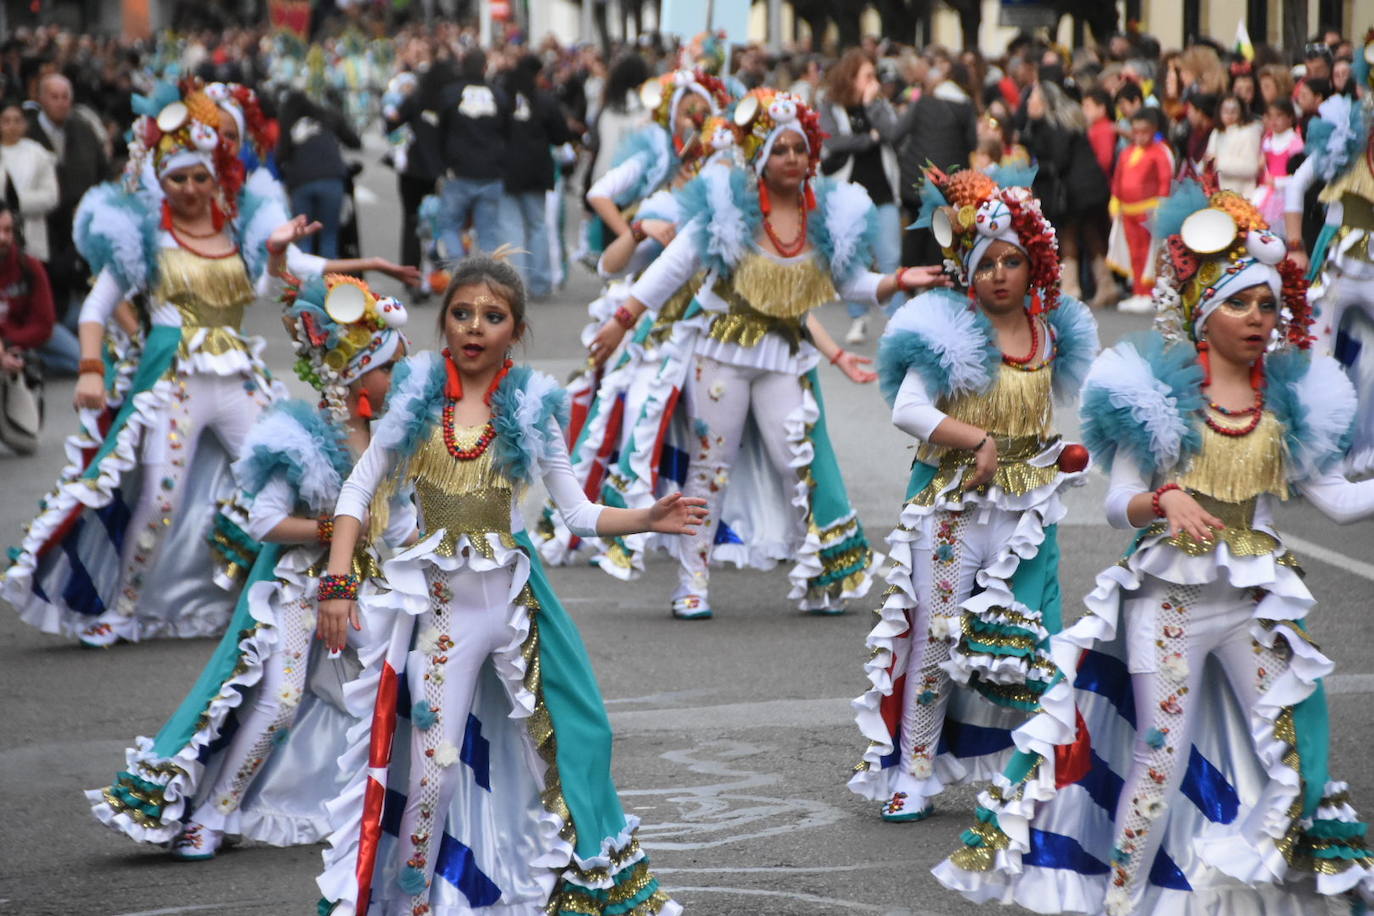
[[28, 178]]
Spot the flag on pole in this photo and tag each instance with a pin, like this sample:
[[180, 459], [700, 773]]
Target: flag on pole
[[1243, 46]]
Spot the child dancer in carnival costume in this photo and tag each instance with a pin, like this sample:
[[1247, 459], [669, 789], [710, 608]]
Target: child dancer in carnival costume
[[245, 752], [143, 475], [959, 653], [1340, 153], [605, 401], [772, 244], [1178, 761], [481, 780]]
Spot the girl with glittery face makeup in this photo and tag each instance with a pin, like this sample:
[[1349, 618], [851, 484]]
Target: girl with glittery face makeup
[[469, 632], [1192, 687], [973, 590]]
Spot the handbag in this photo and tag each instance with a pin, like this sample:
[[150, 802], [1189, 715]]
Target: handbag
[[21, 410]]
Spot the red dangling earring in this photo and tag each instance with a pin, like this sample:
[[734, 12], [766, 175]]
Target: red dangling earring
[[765, 204], [809, 195], [216, 215], [1257, 373], [364, 406], [453, 385], [972, 296], [496, 381], [166, 215], [1204, 358], [1037, 306]]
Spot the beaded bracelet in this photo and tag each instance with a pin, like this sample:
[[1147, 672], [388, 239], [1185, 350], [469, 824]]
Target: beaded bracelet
[[1154, 502], [624, 317], [337, 588], [324, 529], [838, 354], [91, 367]]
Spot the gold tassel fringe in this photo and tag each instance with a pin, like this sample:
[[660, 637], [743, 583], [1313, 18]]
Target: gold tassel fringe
[[783, 290]]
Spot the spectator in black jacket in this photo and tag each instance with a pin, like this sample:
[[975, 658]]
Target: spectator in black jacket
[[1070, 184], [939, 128], [474, 127], [424, 156], [81, 163], [313, 167], [537, 125]]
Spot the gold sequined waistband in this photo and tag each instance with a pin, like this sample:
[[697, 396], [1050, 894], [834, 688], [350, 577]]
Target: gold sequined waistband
[[474, 513], [746, 326], [1014, 473], [1238, 535]]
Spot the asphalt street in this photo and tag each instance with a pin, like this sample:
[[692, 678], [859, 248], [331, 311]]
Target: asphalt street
[[734, 737]]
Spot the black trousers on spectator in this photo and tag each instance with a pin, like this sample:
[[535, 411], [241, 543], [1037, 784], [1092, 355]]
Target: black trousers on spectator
[[413, 190]]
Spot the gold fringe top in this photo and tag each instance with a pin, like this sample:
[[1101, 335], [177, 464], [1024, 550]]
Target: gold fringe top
[[1018, 406], [1358, 180], [462, 497], [1234, 469], [210, 293], [783, 290]]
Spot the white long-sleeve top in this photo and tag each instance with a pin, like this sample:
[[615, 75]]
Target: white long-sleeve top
[[681, 260], [579, 513], [618, 180], [913, 411], [1341, 500], [276, 502]]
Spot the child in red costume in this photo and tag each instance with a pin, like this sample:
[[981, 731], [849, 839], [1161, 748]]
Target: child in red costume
[[1141, 179]]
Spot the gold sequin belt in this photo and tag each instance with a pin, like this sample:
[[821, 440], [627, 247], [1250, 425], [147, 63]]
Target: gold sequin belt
[[745, 325], [1015, 474], [475, 513], [1239, 535]]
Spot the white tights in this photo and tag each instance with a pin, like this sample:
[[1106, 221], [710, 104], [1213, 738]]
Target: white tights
[[278, 699], [469, 609], [946, 558], [203, 403], [1170, 631], [723, 396]]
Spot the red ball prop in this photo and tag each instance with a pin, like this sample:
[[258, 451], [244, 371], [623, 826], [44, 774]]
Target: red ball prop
[[1073, 458]]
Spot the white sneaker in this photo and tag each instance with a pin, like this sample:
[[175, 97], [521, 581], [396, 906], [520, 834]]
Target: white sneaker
[[858, 331], [1136, 305]]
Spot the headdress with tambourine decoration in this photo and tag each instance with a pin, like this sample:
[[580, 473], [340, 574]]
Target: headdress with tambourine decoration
[[1213, 244], [179, 127], [340, 330], [663, 94], [718, 140], [764, 115], [968, 210]]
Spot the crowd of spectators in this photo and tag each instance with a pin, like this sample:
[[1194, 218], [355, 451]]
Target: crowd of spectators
[[500, 132]]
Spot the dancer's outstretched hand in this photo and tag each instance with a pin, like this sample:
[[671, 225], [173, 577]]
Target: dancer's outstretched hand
[[292, 231], [1185, 514], [677, 514], [336, 616], [405, 273], [852, 365], [919, 279]]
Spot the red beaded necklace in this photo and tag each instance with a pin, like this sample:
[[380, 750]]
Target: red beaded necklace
[[1023, 362], [787, 249], [453, 393], [1254, 412]]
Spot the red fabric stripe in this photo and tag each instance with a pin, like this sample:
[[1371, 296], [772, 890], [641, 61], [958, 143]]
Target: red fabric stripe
[[367, 843], [60, 533], [608, 444], [663, 432], [1073, 761], [383, 718]]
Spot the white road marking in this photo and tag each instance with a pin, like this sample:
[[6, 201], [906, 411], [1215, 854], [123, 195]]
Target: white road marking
[[1331, 557], [851, 905]]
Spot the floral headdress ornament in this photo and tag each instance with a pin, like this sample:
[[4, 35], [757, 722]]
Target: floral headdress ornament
[[1216, 243], [177, 128], [340, 329], [717, 141], [764, 115], [967, 211], [707, 51], [241, 103], [663, 94]]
